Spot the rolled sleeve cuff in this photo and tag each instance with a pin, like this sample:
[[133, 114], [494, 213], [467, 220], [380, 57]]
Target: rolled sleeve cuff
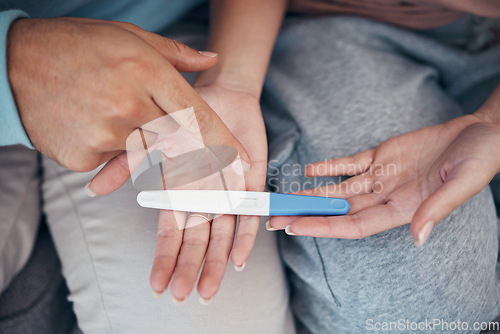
[[11, 129]]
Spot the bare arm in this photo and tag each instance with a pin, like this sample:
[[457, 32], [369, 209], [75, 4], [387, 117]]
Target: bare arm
[[488, 8], [243, 33]]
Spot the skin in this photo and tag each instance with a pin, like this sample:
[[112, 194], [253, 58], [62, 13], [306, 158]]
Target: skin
[[135, 68], [90, 83], [243, 35], [212, 241], [487, 8], [438, 168]]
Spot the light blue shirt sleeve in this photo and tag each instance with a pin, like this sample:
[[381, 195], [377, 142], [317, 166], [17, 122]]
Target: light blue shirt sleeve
[[11, 129]]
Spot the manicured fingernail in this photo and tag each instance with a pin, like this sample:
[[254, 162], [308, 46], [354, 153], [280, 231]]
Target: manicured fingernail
[[288, 230], [178, 301], [240, 268], [204, 301], [424, 233], [157, 294], [208, 54], [89, 191], [269, 228]]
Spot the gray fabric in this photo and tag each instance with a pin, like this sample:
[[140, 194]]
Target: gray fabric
[[19, 209], [340, 85], [312, 89], [106, 245], [35, 302]]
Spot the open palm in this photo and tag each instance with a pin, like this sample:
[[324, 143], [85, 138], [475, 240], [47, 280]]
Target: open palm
[[418, 177], [180, 254]]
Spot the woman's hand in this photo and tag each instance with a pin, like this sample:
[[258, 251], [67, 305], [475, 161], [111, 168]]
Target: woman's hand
[[240, 111], [180, 253], [243, 34], [418, 177]]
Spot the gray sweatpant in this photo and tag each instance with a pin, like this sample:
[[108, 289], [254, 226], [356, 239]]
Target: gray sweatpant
[[341, 85]]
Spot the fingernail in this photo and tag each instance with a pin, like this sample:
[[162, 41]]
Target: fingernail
[[178, 301], [288, 230], [89, 191], [208, 54], [204, 301], [424, 233], [240, 268], [269, 228], [157, 294]]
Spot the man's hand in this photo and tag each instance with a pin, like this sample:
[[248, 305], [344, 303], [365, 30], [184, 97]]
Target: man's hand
[[180, 253], [82, 86], [418, 177]]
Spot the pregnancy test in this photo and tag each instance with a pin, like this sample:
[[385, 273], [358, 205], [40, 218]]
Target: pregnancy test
[[243, 203]]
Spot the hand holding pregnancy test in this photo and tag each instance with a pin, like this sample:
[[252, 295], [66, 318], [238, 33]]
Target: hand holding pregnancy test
[[194, 178], [178, 170]]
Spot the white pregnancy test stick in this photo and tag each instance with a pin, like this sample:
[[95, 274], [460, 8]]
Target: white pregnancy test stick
[[243, 203]]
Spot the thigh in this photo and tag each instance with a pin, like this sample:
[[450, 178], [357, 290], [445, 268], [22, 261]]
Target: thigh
[[19, 209], [344, 90], [348, 87], [106, 245]]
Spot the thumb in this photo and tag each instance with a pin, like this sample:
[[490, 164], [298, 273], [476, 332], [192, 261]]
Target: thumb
[[181, 56], [457, 189], [184, 58]]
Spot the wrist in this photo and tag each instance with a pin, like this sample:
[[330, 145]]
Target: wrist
[[490, 116], [490, 119], [490, 110], [231, 80]]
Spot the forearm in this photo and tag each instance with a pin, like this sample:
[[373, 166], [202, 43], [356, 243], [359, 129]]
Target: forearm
[[243, 33], [488, 8]]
